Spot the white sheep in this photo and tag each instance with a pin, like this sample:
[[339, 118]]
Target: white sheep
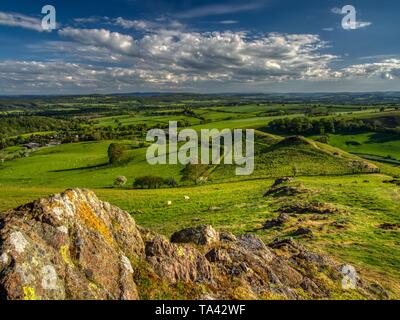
[[169, 203], [186, 198]]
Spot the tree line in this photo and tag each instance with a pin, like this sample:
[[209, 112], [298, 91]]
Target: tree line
[[307, 125]]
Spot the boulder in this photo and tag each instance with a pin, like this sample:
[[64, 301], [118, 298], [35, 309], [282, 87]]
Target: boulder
[[282, 219], [201, 235], [177, 263]]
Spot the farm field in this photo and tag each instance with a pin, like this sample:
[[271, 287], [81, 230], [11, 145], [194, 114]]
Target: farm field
[[149, 120]]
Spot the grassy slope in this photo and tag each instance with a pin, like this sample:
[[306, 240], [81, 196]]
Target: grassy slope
[[302, 156], [240, 207], [379, 144], [86, 164], [78, 165]]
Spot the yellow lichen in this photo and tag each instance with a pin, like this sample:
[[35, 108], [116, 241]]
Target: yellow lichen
[[243, 293], [29, 293], [180, 252], [92, 221], [34, 262], [64, 251], [70, 195], [116, 226], [94, 289]]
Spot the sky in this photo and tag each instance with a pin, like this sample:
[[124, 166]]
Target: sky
[[234, 46]]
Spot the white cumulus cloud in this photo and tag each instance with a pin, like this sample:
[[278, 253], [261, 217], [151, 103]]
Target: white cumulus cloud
[[387, 69], [21, 21], [216, 55]]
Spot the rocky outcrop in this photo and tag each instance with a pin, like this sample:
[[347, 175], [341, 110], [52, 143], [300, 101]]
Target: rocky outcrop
[[74, 246], [279, 221], [176, 263], [69, 246], [313, 207], [281, 188]]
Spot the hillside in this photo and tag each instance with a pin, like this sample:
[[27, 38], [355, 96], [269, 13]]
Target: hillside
[[299, 156], [74, 246]]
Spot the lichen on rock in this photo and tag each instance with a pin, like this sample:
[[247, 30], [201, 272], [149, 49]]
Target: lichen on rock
[[62, 245]]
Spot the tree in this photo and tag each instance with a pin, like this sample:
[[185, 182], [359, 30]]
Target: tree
[[116, 152], [195, 173]]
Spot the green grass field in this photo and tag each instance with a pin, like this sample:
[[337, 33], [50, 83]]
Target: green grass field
[[82, 164], [149, 120], [378, 144]]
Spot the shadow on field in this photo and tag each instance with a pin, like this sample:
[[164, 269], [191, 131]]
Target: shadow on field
[[98, 166], [383, 137]]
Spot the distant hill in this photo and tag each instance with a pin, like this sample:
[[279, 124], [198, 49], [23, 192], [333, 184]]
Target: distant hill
[[355, 98], [300, 156]]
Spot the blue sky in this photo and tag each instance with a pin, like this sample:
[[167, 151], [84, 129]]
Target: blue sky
[[198, 46]]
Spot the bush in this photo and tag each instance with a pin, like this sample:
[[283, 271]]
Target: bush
[[116, 152], [171, 182], [148, 182], [120, 181]]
